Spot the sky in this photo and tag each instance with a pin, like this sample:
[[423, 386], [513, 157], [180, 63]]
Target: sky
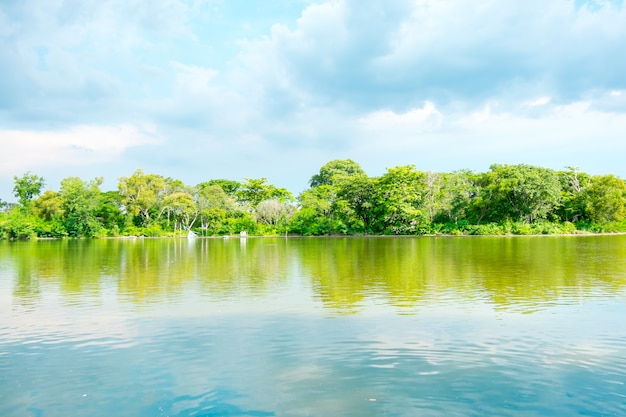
[[204, 89]]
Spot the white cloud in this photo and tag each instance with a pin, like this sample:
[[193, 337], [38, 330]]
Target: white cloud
[[408, 79], [442, 51], [572, 127], [411, 123], [192, 79], [542, 101], [77, 146]]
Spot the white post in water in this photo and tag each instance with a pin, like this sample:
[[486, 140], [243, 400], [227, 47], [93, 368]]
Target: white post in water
[[243, 233]]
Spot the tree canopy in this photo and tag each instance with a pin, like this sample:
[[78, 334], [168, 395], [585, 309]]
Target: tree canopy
[[342, 199]]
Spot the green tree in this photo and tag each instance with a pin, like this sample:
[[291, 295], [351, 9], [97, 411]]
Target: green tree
[[333, 169], [214, 205], [606, 199], [17, 225], [253, 191], [573, 196], [80, 203], [518, 193], [433, 194], [230, 187], [317, 214], [458, 190], [181, 207], [401, 200], [109, 212], [27, 187], [356, 202], [141, 194], [49, 206], [274, 212]]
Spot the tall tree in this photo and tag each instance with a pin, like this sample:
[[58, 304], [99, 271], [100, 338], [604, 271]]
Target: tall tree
[[49, 205], [109, 211], [182, 208], [330, 171], [517, 192], [356, 201], [141, 194], [80, 203], [230, 187], [253, 191], [459, 188], [573, 196], [401, 200], [27, 187], [274, 212], [214, 204], [318, 212], [606, 199]]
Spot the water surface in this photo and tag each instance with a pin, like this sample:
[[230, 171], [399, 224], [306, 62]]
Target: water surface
[[525, 326]]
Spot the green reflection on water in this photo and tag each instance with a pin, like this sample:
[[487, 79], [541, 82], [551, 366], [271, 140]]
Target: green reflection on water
[[525, 273]]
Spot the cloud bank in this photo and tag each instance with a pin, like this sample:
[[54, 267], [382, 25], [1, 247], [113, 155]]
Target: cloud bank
[[247, 89]]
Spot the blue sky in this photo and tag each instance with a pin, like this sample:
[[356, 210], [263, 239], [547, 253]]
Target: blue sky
[[202, 89]]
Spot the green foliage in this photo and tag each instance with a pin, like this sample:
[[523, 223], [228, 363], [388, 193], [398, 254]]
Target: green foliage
[[356, 202], [80, 201], [141, 194], [214, 206], [308, 222], [331, 171], [458, 190], [573, 194], [606, 199], [401, 200], [253, 191], [318, 214], [274, 213], [486, 229], [154, 230], [518, 193], [242, 222], [229, 187], [50, 229], [49, 206], [342, 200], [214, 221], [181, 209], [27, 187], [17, 225], [109, 212]]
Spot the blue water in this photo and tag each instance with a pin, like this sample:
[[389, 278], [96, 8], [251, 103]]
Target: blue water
[[248, 344]]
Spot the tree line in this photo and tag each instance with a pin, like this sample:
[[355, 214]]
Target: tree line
[[341, 200]]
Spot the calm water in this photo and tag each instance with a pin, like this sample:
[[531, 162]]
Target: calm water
[[527, 326]]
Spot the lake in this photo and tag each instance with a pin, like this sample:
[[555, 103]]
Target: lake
[[411, 326]]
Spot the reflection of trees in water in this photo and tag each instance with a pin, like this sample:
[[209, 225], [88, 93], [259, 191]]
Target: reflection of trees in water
[[243, 267], [402, 271], [70, 264], [533, 271], [221, 267], [147, 269], [517, 271], [525, 272]]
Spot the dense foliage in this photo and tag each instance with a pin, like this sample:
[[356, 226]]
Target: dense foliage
[[342, 199]]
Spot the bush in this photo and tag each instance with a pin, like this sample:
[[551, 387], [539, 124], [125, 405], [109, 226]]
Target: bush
[[17, 225], [523, 229], [53, 229], [486, 229], [154, 230]]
